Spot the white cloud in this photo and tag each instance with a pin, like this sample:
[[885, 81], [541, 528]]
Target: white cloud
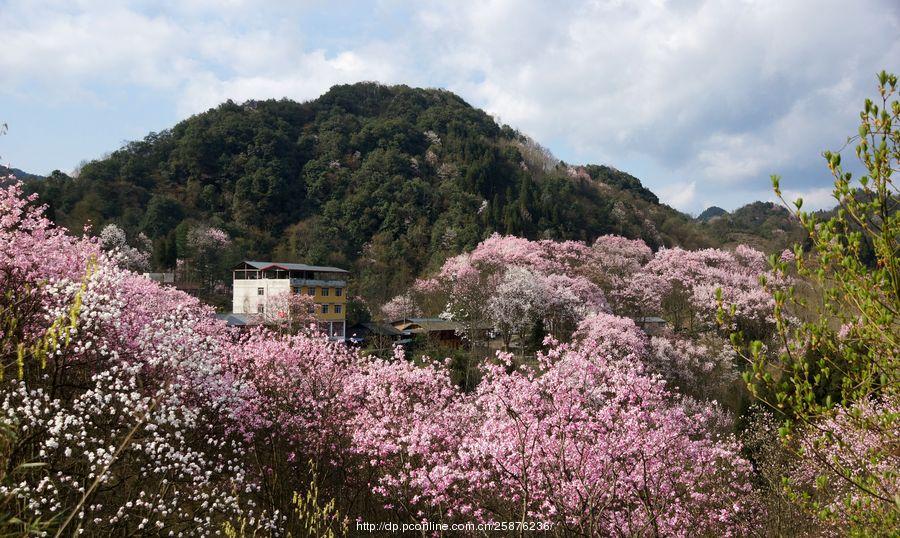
[[724, 92], [814, 198], [714, 94], [679, 195], [311, 75]]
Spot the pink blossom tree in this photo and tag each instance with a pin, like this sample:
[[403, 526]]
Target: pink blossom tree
[[108, 377], [289, 313], [151, 417], [114, 241], [685, 287]]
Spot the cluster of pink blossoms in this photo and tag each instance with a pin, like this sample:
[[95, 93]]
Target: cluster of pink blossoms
[[511, 283], [687, 282], [94, 355], [223, 426]]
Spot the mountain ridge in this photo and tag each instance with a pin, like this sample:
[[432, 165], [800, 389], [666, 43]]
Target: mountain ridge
[[389, 180]]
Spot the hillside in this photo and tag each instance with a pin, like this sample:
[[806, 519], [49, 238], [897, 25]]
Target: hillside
[[710, 213], [20, 175], [400, 177], [763, 225]]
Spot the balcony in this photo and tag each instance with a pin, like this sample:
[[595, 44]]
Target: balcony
[[299, 282]]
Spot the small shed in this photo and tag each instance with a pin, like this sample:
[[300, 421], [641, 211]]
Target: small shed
[[445, 332], [241, 321], [363, 333], [651, 325]]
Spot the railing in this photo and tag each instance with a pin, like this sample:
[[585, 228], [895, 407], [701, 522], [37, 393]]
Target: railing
[[323, 283]]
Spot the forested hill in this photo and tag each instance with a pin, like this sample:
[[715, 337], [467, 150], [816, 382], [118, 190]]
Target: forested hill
[[387, 180], [19, 175]]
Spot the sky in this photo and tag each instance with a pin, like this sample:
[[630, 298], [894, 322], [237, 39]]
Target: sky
[[701, 99]]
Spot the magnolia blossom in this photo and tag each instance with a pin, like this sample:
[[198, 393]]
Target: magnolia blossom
[[685, 285], [863, 440], [614, 259], [401, 307], [114, 241], [185, 424], [490, 284], [289, 312], [207, 238], [108, 356], [589, 442], [699, 368], [517, 303]]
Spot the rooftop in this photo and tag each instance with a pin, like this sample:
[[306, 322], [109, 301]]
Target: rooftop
[[426, 324], [237, 320], [383, 329], [649, 319], [292, 267]]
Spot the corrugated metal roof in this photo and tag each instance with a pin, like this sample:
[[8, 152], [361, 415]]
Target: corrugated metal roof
[[293, 266], [426, 324], [377, 328], [650, 319], [237, 320]]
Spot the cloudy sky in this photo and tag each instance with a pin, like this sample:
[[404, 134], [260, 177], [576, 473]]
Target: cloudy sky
[[702, 100]]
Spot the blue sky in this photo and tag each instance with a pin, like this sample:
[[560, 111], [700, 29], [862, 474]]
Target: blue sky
[[702, 100]]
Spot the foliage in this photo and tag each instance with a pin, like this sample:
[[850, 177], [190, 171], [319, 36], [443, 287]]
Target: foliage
[[835, 376], [763, 225], [308, 516], [149, 416], [390, 179]]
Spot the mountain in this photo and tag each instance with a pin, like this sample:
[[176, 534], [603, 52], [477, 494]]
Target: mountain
[[763, 225], [386, 180], [20, 175], [710, 213]]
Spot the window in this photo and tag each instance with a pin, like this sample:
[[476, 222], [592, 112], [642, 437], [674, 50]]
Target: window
[[337, 329], [311, 290], [324, 292], [324, 308], [260, 291], [311, 309], [260, 308], [338, 292], [337, 309]]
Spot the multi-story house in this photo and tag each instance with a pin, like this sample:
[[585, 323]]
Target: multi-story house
[[258, 286]]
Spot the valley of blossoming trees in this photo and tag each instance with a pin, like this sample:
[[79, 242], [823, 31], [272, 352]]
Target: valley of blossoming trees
[[128, 409]]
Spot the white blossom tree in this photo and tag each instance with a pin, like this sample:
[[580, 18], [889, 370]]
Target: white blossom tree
[[114, 241], [517, 303]]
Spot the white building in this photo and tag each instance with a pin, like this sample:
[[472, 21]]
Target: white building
[[256, 284]]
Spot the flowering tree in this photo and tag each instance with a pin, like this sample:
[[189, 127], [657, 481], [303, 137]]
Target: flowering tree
[[835, 379], [114, 241], [108, 377], [149, 416], [612, 262], [587, 442], [703, 368], [514, 283], [465, 290], [206, 244], [289, 313], [687, 287], [517, 304], [402, 306]]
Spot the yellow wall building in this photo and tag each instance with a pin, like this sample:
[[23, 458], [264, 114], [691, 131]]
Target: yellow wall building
[[257, 284]]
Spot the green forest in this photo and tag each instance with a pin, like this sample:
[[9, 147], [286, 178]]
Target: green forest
[[387, 181]]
